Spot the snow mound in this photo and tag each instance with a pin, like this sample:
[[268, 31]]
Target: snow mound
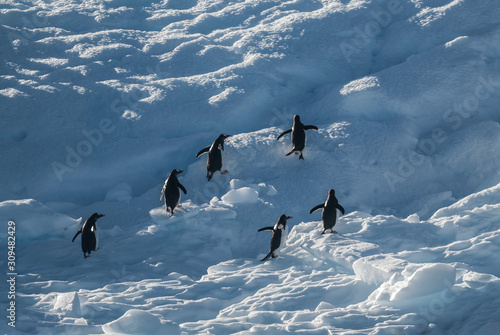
[[241, 195], [428, 279], [36, 221], [136, 321], [68, 303], [375, 270]]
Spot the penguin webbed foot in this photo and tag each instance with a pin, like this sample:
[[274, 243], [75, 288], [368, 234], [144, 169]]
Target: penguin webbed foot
[[274, 255], [333, 231], [224, 172], [301, 156]]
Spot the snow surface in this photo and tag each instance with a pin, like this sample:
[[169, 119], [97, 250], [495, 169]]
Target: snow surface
[[100, 100]]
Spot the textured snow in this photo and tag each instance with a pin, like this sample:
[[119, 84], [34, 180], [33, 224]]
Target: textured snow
[[100, 100]]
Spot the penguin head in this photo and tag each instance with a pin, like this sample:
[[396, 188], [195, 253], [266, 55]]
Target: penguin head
[[96, 216], [222, 137], [175, 172], [296, 118], [282, 221], [331, 193]]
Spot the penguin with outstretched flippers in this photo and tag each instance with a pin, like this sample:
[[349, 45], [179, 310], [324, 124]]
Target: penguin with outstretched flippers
[[298, 136], [214, 161], [278, 238], [329, 215]]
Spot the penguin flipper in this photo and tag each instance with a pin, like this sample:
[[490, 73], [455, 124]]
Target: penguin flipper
[[202, 151], [182, 188], [291, 152], [284, 133], [316, 208], [341, 209], [310, 127], [266, 228], [77, 233], [267, 257]]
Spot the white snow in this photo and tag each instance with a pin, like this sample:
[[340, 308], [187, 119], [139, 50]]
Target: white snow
[[100, 100], [136, 321], [241, 195]]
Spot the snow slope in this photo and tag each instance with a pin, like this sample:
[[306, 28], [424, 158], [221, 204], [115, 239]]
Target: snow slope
[[100, 100]]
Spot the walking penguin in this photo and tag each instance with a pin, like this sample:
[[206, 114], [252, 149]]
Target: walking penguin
[[298, 136], [214, 161], [329, 214], [171, 191], [278, 238], [89, 234]]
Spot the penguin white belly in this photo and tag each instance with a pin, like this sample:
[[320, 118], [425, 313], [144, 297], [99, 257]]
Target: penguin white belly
[[284, 235], [96, 233]]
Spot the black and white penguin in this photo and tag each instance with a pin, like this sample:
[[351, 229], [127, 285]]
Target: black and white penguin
[[171, 191], [278, 239], [214, 161], [89, 234], [298, 136], [329, 214]]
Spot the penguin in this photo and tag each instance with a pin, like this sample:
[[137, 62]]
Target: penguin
[[298, 136], [214, 161], [278, 239], [329, 214], [89, 231], [171, 191]]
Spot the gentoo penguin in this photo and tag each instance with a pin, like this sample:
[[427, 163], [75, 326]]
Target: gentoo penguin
[[214, 161], [329, 215], [88, 231], [278, 239], [298, 136], [171, 191]]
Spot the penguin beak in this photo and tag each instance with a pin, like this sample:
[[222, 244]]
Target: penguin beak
[[182, 171], [289, 217]]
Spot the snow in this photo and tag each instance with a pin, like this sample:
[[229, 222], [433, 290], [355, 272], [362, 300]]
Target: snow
[[241, 195], [101, 100], [136, 321]]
